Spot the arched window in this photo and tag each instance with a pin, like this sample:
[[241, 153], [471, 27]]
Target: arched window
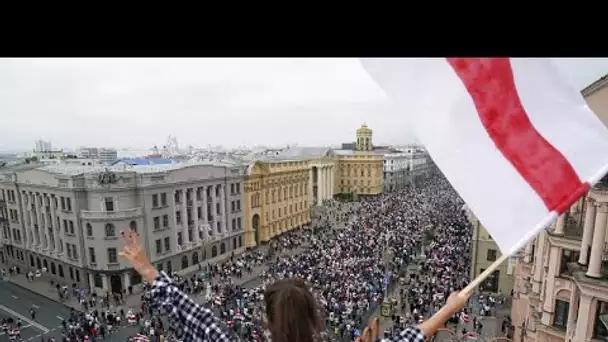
[[213, 251], [89, 230], [133, 225], [53, 269], [32, 261], [45, 264], [194, 258], [38, 263], [110, 230], [204, 254], [184, 262], [60, 271], [222, 248]]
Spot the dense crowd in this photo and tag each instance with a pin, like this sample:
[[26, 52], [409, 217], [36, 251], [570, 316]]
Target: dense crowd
[[350, 266]]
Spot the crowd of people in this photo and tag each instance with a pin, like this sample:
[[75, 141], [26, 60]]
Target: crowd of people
[[354, 253]]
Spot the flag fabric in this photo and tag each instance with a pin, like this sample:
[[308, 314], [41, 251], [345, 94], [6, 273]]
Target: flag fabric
[[515, 140]]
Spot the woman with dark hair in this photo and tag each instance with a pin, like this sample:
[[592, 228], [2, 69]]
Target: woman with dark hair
[[291, 309]]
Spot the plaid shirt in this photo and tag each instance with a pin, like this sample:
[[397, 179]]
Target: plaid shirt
[[193, 322]]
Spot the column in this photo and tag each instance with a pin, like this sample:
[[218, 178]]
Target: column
[[56, 230], [528, 252], [42, 223], [320, 184], [214, 209], [205, 214], [222, 215], [597, 247], [551, 272], [310, 196], [173, 204], [328, 183], [538, 264], [30, 202], [195, 230], [91, 282], [584, 309], [126, 280], [104, 282], [560, 226], [185, 238], [587, 231]]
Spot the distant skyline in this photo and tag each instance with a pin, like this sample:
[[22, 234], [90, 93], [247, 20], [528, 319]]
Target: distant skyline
[[231, 102]]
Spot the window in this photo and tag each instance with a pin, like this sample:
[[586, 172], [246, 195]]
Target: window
[[165, 221], [89, 230], [157, 222], [133, 226], [167, 244], [110, 230], [232, 188], [222, 248], [238, 205], [568, 256], [109, 204], [112, 256], [92, 259], [178, 216], [163, 199], [600, 331], [179, 238], [560, 316], [217, 208], [490, 284], [71, 224], [155, 201], [68, 203], [491, 256], [159, 247], [67, 247], [238, 223], [233, 206], [62, 203], [238, 188]]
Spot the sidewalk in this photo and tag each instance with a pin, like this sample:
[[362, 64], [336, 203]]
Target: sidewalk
[[43, 287]]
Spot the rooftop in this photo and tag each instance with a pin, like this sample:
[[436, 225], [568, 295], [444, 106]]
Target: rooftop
[[595, 86], [144, 161]]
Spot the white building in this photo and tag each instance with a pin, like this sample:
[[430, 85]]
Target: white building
[[396, 169], [67, 218], [108, 155], [88, 152], [43, 146]]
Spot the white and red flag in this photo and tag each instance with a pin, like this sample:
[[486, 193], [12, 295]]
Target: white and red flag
[[518, 143]]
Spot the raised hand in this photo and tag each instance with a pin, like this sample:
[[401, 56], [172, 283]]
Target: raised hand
[[136, 255], [371, 332]]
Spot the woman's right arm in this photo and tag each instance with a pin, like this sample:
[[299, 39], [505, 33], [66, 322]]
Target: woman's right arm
[[191, 321]]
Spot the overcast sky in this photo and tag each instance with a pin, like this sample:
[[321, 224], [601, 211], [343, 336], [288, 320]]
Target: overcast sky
[[232, 102]]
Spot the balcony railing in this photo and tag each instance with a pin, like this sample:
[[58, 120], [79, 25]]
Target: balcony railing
[[111, 215]]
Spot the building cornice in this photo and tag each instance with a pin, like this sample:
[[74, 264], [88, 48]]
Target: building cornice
[[595, 86]]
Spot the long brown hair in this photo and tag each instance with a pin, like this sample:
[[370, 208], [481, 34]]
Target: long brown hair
[[292, 311]]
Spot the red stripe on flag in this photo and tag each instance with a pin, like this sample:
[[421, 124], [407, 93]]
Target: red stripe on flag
[[491, 84]]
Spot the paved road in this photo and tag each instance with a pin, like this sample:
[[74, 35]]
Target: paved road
[[16, 302]]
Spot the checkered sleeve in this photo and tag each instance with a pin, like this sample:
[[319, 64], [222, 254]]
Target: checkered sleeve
[[190, 321], [411, 334]]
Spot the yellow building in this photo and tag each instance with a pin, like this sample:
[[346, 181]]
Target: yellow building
[[360, 169], [484, 252], [279, 191]]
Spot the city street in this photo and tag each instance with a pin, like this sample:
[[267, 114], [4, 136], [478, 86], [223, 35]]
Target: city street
[[16, 302]]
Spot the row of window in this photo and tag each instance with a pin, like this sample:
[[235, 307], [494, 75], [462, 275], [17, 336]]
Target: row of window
[[38, 264], [13, 215], [168, 267], [283, 211], [9, 195], [353, 172], [369, 182], [288, 192]]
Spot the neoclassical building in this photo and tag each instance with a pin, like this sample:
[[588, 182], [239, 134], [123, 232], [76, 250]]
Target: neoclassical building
[[67, 219], [280, 189], [360, 169], [561, 284]]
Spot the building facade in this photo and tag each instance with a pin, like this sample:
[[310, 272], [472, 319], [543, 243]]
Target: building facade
[[484, 252], [67, 219], [561, 282], [280, 190], [396, 168], [360, 171]]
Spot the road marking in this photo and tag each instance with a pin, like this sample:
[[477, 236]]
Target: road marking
[[36, 306], [61, 318], [15, 297], [23, 327], [25, 319]]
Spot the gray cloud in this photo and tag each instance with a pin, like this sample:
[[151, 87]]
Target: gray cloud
[[138, 102]]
